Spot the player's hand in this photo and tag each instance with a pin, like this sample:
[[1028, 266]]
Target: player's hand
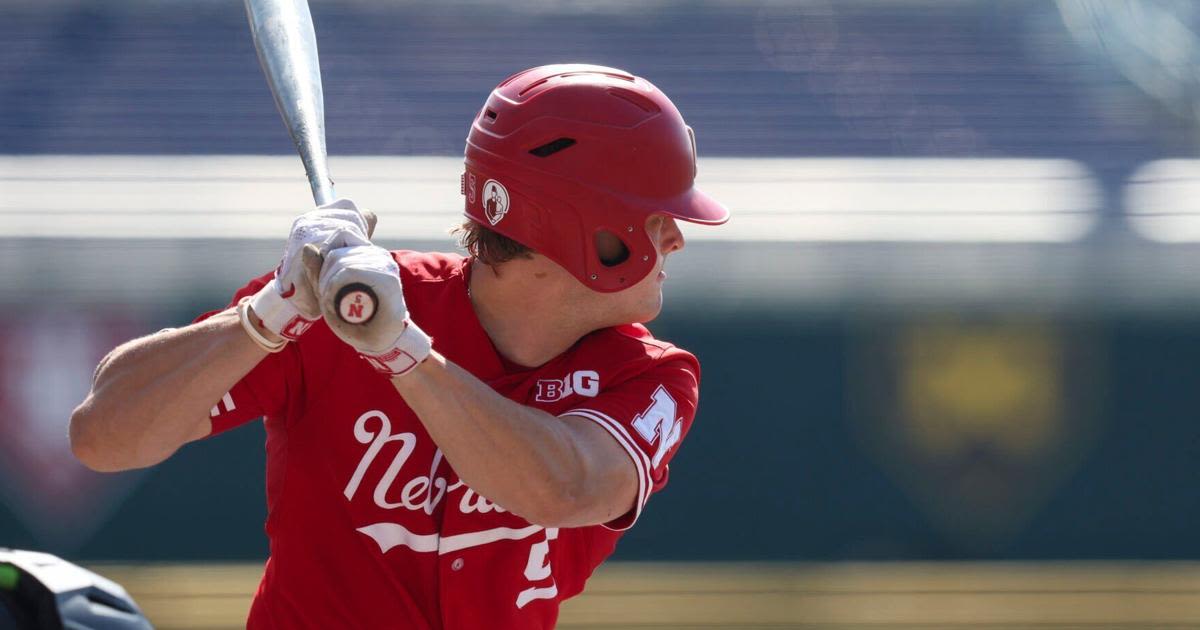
[[386, 337], [288, 304]]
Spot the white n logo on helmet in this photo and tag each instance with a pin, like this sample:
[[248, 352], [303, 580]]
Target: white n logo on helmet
[[495, 201]]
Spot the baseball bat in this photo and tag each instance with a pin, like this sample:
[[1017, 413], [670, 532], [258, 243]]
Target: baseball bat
[[287, 50]]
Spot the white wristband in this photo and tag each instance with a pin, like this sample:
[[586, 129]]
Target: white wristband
[[278, 315], [410, 349], [243, 308]]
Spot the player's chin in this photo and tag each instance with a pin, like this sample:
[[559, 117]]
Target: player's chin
[[649, 307]]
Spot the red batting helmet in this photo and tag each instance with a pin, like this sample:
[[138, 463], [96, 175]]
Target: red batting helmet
[[561, 153]]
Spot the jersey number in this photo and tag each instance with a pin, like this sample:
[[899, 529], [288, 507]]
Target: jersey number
[[538, 569], [660, 422]]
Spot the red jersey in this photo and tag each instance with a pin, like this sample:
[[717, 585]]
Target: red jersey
[[370, 527]]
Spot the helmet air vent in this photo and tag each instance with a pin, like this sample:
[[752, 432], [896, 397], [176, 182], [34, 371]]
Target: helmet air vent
[[552, 147], [529, 88], [635, 99]]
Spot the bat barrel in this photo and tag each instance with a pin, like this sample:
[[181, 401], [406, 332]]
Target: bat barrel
[[287, 49]]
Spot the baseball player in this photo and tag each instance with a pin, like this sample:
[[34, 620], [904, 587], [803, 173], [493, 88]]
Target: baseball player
[[465, 454]]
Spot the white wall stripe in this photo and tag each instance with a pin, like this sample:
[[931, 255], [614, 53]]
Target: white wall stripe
[[1162, 201], [417, 198]]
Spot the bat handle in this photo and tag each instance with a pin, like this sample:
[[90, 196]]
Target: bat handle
[[319, 180], [356, 302], [323, 194]]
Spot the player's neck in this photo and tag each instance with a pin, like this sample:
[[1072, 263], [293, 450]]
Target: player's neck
[[523, 314]]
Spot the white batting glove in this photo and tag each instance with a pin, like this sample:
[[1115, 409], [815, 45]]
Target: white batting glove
[[288, 304], [387, 338]]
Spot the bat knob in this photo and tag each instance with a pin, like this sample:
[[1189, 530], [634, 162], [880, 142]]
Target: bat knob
[[356, 303]]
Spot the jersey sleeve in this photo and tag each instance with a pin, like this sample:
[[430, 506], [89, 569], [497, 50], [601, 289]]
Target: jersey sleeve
[[648, 416], [261, 392]]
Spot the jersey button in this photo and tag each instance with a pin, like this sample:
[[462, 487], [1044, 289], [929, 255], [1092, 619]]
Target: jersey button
[[457, 564]]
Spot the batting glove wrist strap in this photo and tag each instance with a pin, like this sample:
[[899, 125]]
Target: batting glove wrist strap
[[243, 308], [278, 314], [407, 352]]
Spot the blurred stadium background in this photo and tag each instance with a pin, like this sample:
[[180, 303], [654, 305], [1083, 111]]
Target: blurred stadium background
[[950, 337]]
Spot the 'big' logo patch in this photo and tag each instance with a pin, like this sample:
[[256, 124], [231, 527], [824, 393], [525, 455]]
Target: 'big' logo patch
[[582, 382]]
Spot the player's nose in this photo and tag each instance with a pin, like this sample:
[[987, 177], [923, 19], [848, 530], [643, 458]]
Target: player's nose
[[671, 238]]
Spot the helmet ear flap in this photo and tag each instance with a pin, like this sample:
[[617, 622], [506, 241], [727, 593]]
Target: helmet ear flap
[[620, 255]]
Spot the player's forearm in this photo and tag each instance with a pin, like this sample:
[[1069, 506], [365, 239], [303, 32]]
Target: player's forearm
[[522, 458], [152, 395]]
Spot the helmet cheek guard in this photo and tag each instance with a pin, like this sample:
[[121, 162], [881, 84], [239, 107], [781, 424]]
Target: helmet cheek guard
[[630, 228], [560, 155]]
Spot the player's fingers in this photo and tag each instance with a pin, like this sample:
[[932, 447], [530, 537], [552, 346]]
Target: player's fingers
[[368, 217], [371, 220], [313, 261], [343, 238]]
